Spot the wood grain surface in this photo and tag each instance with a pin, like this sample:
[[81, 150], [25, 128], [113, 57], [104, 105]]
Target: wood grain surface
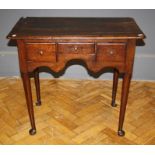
[[76, 112], [48, 27]]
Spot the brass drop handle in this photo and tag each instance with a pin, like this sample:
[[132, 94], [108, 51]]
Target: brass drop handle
[[41, 52], [75, 48], [111, 52]]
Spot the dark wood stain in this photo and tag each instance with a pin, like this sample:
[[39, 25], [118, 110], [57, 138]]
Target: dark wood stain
[[89, 27]]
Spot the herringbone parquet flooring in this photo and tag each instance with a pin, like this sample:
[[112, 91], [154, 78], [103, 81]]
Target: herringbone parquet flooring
[[76, 112]]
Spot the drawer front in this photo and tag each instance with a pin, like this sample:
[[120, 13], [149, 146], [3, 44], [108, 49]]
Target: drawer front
[[67, 51], [76, 48], [114, 52], [41, 52]]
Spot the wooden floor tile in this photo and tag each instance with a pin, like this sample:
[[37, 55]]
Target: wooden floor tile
[[76, 112]]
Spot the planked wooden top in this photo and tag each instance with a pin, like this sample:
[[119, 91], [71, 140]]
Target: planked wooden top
[[49, 27]]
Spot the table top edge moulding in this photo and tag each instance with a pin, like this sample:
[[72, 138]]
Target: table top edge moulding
[[98, 42], [101, 28]]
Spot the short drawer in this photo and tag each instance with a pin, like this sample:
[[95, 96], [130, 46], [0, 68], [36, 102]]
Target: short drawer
[[115, 52], [76, 48], [68, 51], [41, 52]]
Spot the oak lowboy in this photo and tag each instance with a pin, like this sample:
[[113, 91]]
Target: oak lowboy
[[98, 42]]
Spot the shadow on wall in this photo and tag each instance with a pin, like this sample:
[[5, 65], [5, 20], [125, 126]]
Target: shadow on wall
[[12, 43], [140, 42]]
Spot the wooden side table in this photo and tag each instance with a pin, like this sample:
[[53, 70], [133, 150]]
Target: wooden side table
[[99, 42]]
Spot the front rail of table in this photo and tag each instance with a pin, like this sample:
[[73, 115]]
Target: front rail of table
[[53, 42]]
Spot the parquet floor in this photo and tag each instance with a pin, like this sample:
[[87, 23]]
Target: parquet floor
[[76, 112]]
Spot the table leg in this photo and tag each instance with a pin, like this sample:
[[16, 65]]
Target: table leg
[[124, 98], [28, 95], [37, 85], [114, 90]]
